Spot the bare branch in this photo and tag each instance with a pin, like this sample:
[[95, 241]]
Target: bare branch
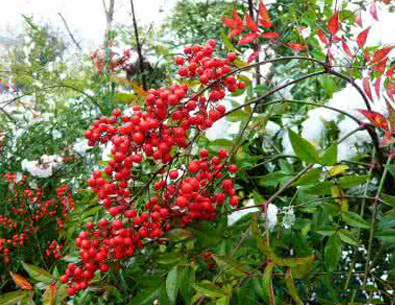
[[70, 34]]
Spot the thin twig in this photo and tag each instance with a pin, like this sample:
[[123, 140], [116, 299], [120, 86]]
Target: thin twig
[[70, 34]]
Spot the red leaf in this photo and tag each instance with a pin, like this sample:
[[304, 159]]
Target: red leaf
[[296, 47], [229, 22], [265, 23], [236, 17], [366, 88], [322, 37], [346, 48], [270, 35], [264, 14], [336, 39], [247, 39], [380, 54], [373, 11], [333, 23], [253, 56], [390, 71], [251, 23], [375, 118], [380, 67], [388, 139], [358, 19], [361, 39], [377, 86], [236, 32]]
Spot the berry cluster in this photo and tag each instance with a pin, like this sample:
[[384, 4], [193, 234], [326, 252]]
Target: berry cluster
[[108, 59], [159, 132], [54, 249], [181, 196], [210, 71], [28, 210]]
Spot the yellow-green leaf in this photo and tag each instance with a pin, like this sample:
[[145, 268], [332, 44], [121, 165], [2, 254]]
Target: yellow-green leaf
[[289, 282]]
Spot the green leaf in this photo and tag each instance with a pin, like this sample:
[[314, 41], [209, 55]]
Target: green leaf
[[387, 236], [220, 143], [11, 298], [289, 282], [147, 296], [226, 41], [223, 301], [169, 258], [237, 116], [27, 299], [353, 180], [172, 284], [187, 278], [329, 157], [302, 148], [267, 284], [327, 83], [310, 177], [178, 234], [125, 98], [354, 220], [38, 273], [230, 265], [272, 179], [208, 290], [348, 237], [333, 251], [386, 222], [389, 200]]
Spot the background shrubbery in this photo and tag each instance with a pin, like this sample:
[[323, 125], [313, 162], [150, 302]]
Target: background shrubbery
[[270, 181]]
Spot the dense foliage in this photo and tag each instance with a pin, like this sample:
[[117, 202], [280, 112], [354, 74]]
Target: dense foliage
[[260, 170]]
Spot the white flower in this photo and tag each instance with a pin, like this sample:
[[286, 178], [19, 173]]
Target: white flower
[[271, 216]]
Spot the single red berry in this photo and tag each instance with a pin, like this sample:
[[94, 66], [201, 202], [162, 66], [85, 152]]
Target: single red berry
[[231, 56]]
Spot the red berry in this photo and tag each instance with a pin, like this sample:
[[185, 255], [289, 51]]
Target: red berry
[[232, 168], [231, 56], [179, 60], [173, 174]]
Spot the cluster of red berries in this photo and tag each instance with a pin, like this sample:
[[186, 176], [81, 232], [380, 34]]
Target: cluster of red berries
[[54, 249], [27, 211], [106, 58], [159, 131], [180, 196], [210, 71]]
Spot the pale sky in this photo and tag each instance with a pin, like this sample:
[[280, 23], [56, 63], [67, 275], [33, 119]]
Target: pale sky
[[85, 18]]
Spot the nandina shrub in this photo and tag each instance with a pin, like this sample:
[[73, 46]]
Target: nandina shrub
[[33, 218], [162, 233]]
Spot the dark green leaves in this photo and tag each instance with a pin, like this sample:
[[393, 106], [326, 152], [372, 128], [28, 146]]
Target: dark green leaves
[[172, 284], [333, 250], [329, 157], [302, 148], [38, 273], [354, 220]]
